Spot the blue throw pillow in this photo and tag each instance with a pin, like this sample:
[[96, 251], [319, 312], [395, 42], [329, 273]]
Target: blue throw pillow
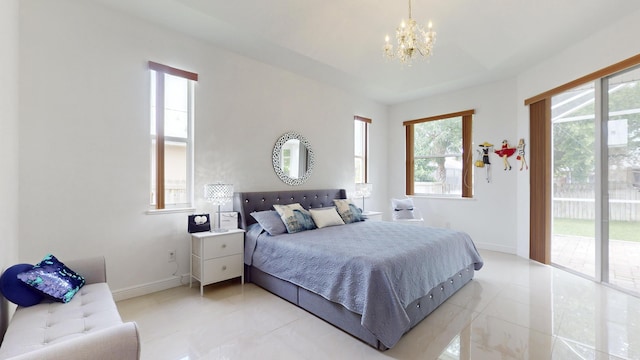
[[349, 212], [357, 213], [270, 221], [15, 290], [53, 278]]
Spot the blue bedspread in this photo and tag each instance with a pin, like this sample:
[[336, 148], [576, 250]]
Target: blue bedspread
[[372, 268]]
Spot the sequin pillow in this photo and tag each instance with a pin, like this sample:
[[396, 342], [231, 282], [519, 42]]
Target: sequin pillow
[[53, 278], [348, 211], [295, 217]]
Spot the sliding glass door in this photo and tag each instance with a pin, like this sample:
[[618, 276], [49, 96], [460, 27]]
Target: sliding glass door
[[596, 180], [573, 184], [622, 181]]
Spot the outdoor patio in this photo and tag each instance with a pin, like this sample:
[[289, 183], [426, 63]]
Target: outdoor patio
[[578, 253]]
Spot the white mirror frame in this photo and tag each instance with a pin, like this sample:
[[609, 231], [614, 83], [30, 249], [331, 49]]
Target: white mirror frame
[[277, 158]]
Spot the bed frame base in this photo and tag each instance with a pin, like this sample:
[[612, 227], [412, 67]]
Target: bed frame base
[[346, 320]]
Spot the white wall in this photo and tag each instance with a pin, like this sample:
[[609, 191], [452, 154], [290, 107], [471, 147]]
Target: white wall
[[490, 216], [9, 142], [84, 152]]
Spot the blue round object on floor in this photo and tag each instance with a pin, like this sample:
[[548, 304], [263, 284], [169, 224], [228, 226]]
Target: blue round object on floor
[[17, 291]]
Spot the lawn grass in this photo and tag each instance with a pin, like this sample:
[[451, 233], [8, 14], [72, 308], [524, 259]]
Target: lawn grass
[[618, 230]]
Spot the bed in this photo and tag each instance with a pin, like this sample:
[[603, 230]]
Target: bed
[[375, 280]]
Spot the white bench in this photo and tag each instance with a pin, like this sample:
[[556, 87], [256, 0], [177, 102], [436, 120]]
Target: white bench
[[87, 327]]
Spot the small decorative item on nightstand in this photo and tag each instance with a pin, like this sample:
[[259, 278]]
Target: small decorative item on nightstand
[[228, 220], [217, 256], [198, 223]]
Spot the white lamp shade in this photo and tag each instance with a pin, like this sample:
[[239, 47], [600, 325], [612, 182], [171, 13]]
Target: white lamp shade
[[218, 194], [364, 189]]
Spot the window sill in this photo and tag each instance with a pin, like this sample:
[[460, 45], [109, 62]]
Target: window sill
[[442, 197], [170, 211]]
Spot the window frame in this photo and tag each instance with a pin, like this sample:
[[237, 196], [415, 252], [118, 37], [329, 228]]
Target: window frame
[[467, 158], [160, 138], [365, 148]]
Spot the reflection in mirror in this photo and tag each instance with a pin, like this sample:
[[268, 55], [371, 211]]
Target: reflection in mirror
[[293, 158]]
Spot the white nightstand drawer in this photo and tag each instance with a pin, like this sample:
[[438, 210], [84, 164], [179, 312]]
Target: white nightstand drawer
[[223, 246], [223, 268], [220, 244]]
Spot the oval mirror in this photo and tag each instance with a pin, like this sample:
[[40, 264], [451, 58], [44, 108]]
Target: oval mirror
[[293, 158]]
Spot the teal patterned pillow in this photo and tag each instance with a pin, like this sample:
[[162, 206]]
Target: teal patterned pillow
[[53, 278], [348, 211], [295, 217]]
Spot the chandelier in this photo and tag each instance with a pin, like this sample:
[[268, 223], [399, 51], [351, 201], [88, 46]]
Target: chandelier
[[412, 39]]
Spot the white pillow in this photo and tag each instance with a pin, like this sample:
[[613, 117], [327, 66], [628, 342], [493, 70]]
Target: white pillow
[[324, 217], [402, 208]]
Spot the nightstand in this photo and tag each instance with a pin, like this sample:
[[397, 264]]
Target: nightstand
[[373, 215], [217, 256]]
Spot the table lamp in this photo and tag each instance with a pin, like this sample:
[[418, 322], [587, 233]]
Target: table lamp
[[218, 194], [363, 190]]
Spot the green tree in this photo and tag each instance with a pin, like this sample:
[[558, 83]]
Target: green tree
[[573, 135], [434, 140], [573, 144], [623, 104], [574, 130]]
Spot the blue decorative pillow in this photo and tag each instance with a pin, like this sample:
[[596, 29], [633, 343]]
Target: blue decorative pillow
[[15, 290], [270, 221], [53, 278], [295, 217], [348, 211]]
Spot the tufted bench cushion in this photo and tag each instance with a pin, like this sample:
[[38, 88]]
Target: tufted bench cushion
[[77, 329]]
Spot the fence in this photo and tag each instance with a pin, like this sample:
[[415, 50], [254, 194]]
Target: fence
[[577, 201], [437, 188]]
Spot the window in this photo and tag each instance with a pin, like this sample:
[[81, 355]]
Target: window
[[171, 137], [361, 148], [438, 154]]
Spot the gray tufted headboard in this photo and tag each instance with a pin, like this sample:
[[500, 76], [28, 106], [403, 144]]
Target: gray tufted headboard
[[247, 202]]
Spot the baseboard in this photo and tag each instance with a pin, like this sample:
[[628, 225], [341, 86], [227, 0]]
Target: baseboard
[[494, 247], [149, 288]]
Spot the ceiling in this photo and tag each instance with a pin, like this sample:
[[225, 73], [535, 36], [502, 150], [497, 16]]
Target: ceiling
[[340, 42]]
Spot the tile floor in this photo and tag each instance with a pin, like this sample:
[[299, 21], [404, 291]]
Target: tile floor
[[513, 309]]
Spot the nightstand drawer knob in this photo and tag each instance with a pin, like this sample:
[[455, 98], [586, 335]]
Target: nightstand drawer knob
[[224, 246], [224, 267]]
